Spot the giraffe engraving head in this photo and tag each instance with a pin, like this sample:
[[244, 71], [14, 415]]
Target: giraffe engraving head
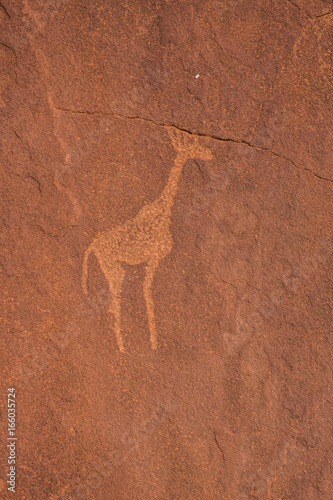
[[189, 145]]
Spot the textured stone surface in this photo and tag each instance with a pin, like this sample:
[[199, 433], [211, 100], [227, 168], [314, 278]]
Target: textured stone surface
[[95, 99]]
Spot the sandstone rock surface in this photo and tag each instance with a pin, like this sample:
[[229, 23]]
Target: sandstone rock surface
[[212, 120]]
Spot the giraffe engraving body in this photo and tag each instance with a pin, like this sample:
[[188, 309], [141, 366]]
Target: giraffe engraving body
[[145, 238]]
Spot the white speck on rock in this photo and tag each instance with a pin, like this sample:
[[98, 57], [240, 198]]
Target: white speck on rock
[[197, 76]]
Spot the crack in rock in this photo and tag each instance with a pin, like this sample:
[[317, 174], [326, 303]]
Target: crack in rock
[[219, 447], [24, 144], [9, 48], [3, 8], [311, 18], [197, 134]]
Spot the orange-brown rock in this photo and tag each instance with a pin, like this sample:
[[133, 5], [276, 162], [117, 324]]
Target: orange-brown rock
[[173, 160]]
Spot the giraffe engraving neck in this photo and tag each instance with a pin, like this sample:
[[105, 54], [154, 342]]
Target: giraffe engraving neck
[[170, 190]]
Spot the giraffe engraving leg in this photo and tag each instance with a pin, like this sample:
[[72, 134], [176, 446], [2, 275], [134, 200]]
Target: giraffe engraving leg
[[115, 274], [150, 272]]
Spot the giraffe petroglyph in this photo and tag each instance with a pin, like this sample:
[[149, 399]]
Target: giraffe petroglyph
[[144, 238]]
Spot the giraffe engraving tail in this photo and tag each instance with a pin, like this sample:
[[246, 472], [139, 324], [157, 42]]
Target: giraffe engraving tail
[[85, 268]]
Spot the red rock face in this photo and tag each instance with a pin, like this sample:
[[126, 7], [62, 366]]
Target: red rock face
[[166, 250]]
